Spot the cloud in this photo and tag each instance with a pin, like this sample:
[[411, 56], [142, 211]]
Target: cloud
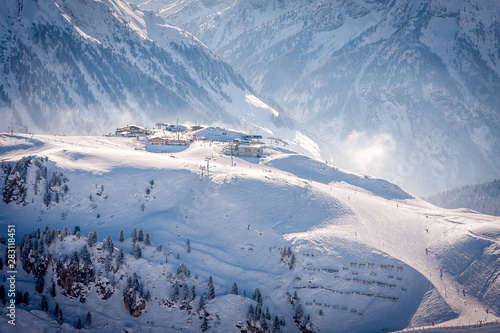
[[366, 153]]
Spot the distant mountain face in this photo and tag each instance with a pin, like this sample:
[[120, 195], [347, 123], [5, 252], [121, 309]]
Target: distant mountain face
[[88, 66], [408, 90]]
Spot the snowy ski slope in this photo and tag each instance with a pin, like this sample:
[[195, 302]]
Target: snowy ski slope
[[368, 254]]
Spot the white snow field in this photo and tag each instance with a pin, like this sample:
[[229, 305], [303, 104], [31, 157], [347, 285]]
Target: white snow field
[[368, 254]]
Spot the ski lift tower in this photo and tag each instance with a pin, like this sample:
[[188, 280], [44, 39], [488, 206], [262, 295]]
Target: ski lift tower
[[208, 158]]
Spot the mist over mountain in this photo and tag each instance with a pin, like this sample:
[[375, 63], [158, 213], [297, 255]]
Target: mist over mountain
[[407, 90], [86, 67]]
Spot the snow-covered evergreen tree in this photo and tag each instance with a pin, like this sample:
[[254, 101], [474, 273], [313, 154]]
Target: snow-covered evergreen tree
[[136, 252], [234, 289]]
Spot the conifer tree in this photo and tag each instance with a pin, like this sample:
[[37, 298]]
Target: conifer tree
[[147, 241], [211, 290], [88, 321], [133, 234], [140, 236], [60, 319], [45, 305], [39, 284], [250, 313], [79, 324], [185, 292], [204, 324], [193, 293], [122, 236], [234, 289], [201, 303], [90, 239], [137, 253]]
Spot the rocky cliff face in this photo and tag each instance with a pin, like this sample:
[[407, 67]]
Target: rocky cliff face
[[407, 90]]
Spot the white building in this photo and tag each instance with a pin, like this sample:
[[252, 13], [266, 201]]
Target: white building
[[248, 150]]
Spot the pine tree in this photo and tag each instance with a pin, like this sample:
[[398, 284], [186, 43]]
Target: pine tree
[[78, 325], [204, 324], [257, 296], [122, 236], [250, 313], [234, 289], [86, 257], [244, 294], [263, 323], [201, 303], [137, 253], [56, 310], [159, 248], [292, 261], [45, 305], [299, 313], [147, 241], [39, 284], [108, 245], [258, 311], [133, 234], [185, 292], [276, 324], [53, 289], [60, 319], [140, 235], [211, 290], [192, 294], [88, 321], [90, 239], [175, 290], [119, 258]]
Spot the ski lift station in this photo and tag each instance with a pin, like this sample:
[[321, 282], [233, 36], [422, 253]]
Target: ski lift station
[[244, 148]]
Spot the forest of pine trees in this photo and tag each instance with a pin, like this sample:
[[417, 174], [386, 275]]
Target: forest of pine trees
[[484, 198], [93, 266]]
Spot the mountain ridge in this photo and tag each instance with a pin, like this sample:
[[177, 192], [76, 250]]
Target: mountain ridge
[[408, 81], [95, 65]]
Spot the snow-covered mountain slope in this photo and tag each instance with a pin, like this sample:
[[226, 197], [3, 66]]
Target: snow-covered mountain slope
[[403, 89], [89, 66], [364, 254]]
